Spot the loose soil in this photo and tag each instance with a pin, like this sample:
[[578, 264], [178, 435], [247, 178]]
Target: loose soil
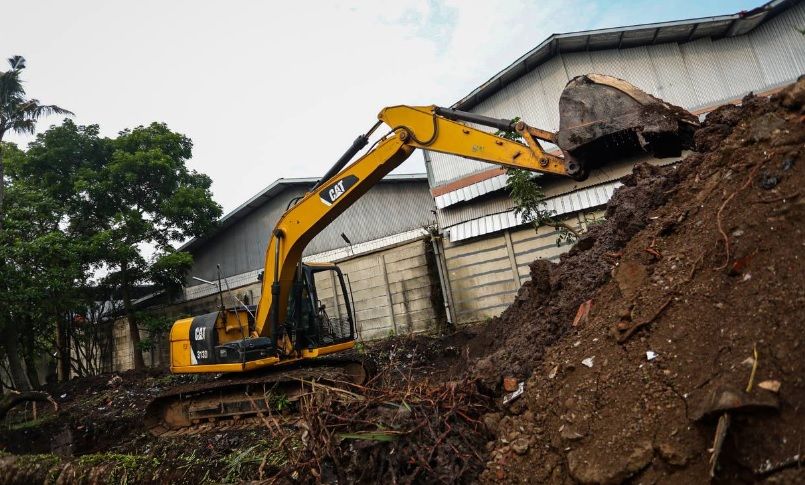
[[694, 285], [709, 255]]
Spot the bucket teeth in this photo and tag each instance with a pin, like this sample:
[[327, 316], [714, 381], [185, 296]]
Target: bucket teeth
[[602, 118]]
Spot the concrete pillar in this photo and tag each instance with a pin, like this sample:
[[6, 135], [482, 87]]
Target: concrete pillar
[[336, 287], [388, 292], [507, 235]]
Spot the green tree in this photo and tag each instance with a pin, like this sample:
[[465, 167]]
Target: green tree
[[56, 163], [529, 198], [17, 113], [119, 201], [41, 270], [146, 197]]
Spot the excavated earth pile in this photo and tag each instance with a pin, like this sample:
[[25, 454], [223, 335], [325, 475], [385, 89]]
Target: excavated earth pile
[[696, 285]]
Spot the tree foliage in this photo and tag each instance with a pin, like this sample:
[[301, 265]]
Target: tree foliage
[[18, 114], [92, 222], [529, 198]]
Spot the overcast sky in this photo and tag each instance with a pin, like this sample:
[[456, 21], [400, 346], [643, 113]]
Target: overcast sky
[[275, 89]]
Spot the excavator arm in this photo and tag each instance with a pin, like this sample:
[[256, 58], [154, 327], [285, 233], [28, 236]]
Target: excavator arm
[[426, 127]]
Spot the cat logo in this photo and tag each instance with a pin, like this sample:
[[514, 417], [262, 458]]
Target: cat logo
[[337, 190], [334, 191]]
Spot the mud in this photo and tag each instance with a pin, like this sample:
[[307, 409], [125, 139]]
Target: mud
[[546, 305]]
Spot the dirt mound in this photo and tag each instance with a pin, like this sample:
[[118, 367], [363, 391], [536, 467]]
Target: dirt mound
[[698, 267], [546, 304]]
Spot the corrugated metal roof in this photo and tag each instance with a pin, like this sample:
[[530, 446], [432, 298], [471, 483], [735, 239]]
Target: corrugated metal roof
[[449, 204], [276, 187], [250, 277], [563, 204], [471, 191], [564, 196], [625, 37]]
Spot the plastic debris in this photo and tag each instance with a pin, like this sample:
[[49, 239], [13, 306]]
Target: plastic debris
[[651, 355], [770, 385], [588, 361], [511, 397]]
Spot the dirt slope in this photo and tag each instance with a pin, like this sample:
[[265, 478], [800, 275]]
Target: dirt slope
[[710, 257]]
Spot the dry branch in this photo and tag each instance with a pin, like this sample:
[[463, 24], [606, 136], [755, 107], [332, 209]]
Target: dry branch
[[15, 398]]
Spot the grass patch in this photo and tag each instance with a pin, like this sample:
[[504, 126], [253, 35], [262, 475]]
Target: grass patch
[[34, 423], [121, 468]]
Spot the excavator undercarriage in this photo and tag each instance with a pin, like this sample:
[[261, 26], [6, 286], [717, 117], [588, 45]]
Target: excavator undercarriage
[[236, 401]]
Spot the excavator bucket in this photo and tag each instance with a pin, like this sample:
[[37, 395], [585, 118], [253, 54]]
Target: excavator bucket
[[602, 118]]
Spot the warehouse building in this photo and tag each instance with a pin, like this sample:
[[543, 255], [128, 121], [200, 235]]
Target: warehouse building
[[698, 64], [381, 244]]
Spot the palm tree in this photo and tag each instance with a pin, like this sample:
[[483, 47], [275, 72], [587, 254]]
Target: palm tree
[[18, 114]]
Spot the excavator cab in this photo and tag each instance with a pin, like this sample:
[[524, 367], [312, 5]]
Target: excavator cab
[[309, 324]]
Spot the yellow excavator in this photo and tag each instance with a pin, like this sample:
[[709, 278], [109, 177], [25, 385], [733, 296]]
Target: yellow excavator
[[274, 349]]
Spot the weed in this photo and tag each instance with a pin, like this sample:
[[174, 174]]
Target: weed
[[34, 423], [123, 468], [277, 401]]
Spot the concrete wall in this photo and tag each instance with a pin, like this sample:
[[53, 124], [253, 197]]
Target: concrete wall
[[122, 349], [485, 273], [392, 290]]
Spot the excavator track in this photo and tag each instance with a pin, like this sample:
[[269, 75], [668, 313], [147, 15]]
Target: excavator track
[[234, 401]]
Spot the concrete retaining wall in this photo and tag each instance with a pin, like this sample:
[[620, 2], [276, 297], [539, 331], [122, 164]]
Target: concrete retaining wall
[[485, 273], [391, 290]]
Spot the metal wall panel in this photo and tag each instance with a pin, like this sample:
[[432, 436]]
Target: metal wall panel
[[674, 81], [576, 64], [387, 209], [739, 66], [608, 62], [554, 78], [531, 99], [780, 48], [638, 68], [703, 69]]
